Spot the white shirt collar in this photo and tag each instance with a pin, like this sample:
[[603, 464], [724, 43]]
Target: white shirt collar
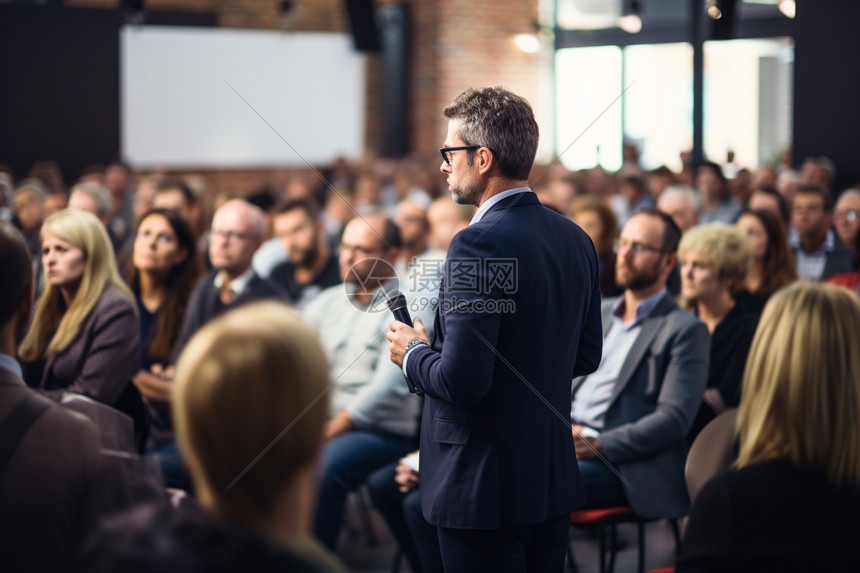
[[482, 210], [237, 285]]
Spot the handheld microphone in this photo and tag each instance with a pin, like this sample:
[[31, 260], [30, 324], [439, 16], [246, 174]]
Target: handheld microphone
[[396, 302]]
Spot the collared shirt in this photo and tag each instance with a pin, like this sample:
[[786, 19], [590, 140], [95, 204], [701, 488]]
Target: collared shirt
[[592, 399], [482, 210], [237, 285], [10, 363], [810, 265]]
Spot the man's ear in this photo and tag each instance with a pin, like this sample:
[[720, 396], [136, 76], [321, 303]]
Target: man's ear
[[485, 159]]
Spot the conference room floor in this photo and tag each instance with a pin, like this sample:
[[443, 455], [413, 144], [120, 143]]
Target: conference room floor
[[360, 555]]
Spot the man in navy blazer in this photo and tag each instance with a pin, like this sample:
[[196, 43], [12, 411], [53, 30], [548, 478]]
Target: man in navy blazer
[[518, 317]]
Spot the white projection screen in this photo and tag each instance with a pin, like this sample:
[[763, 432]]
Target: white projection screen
[[178, 109]]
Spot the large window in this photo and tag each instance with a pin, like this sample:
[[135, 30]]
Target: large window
[[747, 107]]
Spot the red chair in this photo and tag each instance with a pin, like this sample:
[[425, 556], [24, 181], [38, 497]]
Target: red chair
[[605, 519]]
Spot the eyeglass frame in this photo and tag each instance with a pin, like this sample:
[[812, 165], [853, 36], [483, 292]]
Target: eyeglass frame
[[445, 150], [849, 215]]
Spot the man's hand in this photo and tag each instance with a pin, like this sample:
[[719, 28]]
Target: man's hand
[[586, 446], [338, 425], [406, 478], [400, 336]]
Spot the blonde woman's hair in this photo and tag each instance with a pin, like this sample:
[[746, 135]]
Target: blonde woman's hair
[[54, 325], [725, 246], [249, 405], [801, 386]]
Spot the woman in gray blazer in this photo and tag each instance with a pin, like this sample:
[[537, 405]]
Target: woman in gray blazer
[[85, 333]]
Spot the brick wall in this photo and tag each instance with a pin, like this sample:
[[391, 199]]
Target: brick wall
[[454, 44]]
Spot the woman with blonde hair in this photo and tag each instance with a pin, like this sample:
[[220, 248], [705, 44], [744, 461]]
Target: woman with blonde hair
[[714, 261], [84, 337], [249, 406], [792, 502]]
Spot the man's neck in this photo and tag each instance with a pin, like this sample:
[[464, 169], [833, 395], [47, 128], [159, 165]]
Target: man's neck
[[632, 299], [496, 185], [812, 242]]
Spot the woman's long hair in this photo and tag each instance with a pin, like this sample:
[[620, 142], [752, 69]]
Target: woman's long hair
[[778, 266], [801, 391], [55, 325], [180, 283]]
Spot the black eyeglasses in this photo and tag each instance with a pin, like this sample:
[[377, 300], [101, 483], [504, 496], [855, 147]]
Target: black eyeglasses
[[446, 151]]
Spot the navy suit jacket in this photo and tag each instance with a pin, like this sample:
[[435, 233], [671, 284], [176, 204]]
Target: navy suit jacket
[[518, 317]]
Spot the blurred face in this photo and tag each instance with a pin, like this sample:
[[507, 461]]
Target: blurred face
[[808, 214], [463, 181], [360, 252], [412, 223], [678, 207], [847, 219], [55, 202], [173, 199], [299, 234], [592, 224], [85, 202], [117, 180], [709, 183], [753, 228], [233, 240], [29, 209], [765, 202], [699, 279], [62, 261], [640, 255], [444, 224], [156, 248]]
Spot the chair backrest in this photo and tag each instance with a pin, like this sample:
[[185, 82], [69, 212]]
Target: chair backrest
[[115, 428], [712, 452]]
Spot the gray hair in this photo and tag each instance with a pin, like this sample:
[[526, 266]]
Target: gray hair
[[99, 194], [693, 195], [34, 185], [502, 121]]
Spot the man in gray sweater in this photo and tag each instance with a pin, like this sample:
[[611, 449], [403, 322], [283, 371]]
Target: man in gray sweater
[[374, 420]]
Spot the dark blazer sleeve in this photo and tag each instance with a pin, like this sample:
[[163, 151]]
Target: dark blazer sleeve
[[193, 319], [110, 345], [462, 373]]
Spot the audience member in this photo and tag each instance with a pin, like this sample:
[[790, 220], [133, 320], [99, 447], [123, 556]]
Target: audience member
[[49, 454], [446, 219], [311, 266], [84, 337], [819, 172], [772, 266], [630, 418], [769, 199], [787, 183], [818, 251], [29, 208], [719, 206], [374, 418], [237, 232], [55, 202], [598, 221], [271, 253], [740, 187], [164, 273], [117, 181], [850, 280], [846, 217], [657, 180], [792, 501], [683, 203], [95, 199], [50, 174], [242, 381], [632, 196], [715, 261]]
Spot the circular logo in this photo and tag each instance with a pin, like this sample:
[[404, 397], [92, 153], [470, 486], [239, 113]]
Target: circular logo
[[374, 278]]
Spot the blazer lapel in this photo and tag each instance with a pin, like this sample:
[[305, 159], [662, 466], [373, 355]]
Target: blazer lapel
[[650, 328]]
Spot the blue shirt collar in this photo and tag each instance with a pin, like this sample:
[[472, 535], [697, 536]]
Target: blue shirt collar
[[643, 310], [482, 210], [10, 363]]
